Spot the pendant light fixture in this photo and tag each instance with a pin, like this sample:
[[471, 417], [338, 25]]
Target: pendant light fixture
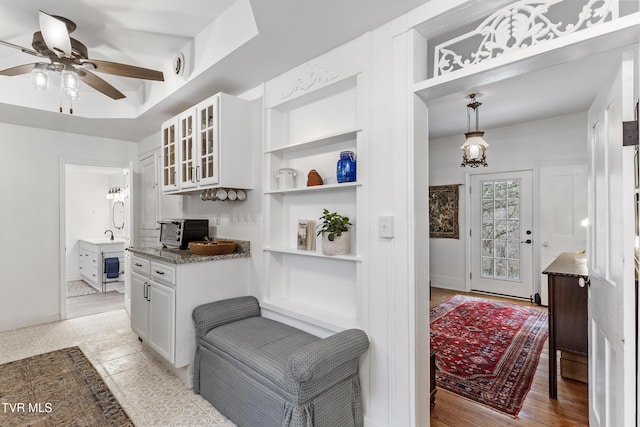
[[473, 150]]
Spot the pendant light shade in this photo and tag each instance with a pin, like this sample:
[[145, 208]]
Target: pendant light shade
[[474, 148]]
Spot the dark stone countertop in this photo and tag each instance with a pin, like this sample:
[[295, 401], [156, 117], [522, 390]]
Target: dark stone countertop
[[185, 256]]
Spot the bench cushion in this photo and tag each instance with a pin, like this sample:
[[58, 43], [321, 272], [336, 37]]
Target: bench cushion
[[260, 344]]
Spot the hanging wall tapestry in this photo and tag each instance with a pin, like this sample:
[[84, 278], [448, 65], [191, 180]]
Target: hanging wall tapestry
[[443, 211]]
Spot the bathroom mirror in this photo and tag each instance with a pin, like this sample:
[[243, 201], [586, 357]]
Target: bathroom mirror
[[118, 214]]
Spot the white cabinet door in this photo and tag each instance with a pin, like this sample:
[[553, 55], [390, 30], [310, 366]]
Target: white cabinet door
[[187, 150], [207, 123], [162, 320], [169, 156], [139, 305]]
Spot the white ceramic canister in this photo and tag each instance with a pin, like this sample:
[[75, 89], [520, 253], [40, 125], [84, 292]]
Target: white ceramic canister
[[286, 178]]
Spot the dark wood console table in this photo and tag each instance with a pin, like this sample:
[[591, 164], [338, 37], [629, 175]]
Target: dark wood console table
[[568, 323]]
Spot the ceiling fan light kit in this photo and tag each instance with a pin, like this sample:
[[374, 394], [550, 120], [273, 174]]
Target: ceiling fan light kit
[[70, 84], [40, 77], [70, 58]]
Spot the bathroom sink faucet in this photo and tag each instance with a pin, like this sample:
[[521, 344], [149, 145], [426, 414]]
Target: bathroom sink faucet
[[109, 231]]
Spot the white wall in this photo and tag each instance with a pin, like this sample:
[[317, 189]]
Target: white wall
[[87, 212], [525, 146], [30, 253]]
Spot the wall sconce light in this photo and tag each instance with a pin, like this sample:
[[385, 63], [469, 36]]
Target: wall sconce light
[[39, 77], [473, 150]]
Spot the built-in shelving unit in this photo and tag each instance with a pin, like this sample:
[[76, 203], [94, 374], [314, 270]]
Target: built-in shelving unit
[[304, 132]]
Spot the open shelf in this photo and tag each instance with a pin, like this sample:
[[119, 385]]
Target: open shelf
[[310, 314], [318, 254], [327, 187], [308, 132], [333, 138]]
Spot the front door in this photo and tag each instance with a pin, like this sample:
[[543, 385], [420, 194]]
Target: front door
[[612, 367], [502, 233]]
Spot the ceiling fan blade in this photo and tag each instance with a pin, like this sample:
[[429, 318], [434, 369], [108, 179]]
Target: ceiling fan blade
[[124, 70], [99, 84], [20, 69], [23, 49], [55, 34]]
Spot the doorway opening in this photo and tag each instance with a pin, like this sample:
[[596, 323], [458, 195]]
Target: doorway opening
[[97, 211]]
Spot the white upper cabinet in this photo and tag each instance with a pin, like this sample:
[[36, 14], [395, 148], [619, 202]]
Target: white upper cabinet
[[209, 146], [169, 155]]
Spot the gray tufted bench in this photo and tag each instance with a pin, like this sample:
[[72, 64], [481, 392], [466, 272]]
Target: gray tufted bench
[[259, 372]]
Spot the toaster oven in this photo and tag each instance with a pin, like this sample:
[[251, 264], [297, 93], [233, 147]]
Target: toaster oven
[[178, 233]]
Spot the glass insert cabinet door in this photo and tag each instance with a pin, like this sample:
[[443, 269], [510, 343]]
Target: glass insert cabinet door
[[208, 142], [501, 233], [187, 159], [169, 156]]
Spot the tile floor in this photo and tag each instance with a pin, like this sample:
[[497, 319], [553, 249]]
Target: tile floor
[[149, 393]]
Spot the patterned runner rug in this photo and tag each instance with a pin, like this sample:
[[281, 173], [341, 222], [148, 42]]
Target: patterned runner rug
[[487, 351], [60, 388], [76, 288]]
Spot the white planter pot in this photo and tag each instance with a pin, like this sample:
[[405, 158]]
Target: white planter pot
[[339, 245]]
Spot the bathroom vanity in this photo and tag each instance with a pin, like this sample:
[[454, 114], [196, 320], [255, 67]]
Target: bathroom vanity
[[92, 254]]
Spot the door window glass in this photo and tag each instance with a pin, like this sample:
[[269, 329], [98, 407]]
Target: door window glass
[[501, 229]]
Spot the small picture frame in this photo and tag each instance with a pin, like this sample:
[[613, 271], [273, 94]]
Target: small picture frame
[[306, 237]]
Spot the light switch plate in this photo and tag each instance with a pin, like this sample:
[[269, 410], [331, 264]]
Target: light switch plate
[[385, 227]]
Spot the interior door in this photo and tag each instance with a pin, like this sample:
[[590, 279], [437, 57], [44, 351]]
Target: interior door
[[610, 256], [149, 194], [563, 208], [502, 233]]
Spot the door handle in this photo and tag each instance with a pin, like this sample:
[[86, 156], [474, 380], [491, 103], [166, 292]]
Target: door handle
[[528, 241]]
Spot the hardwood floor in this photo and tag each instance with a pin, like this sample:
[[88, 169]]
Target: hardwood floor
[[95, 303], [570, 410]]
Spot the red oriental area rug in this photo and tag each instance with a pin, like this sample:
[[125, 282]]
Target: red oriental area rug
[[487, 351]]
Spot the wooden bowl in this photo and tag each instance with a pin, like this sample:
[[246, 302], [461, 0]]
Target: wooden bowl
[[216, 247]]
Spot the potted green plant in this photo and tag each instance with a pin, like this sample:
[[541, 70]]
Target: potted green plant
[[335, 233]]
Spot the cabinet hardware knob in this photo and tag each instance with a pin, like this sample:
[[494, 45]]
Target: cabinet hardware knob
[[581, 282], [138, 264], [159, 272], [528, 241]]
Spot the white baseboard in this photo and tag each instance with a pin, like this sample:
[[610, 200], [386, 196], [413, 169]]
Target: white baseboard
[[31, 322], [447, 282], [369, 423]]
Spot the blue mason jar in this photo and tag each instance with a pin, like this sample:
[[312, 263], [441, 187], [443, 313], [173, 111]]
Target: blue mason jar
[[346, 168]]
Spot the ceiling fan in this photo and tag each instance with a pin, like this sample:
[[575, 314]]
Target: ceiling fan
[[68, 56]]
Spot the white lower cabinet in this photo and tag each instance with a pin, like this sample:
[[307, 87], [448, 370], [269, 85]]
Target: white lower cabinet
[[163, 296], [139, 306], [162, 319], [153, 314]]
